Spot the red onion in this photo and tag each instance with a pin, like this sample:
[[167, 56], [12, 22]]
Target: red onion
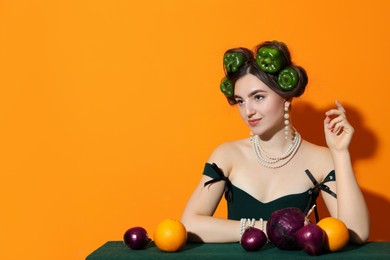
[[136, 238], [253, 239], [311, 239], [282, 226]]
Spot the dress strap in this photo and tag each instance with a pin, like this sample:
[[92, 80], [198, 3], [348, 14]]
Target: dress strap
[[321, 185], [221, 177], [315, 191]]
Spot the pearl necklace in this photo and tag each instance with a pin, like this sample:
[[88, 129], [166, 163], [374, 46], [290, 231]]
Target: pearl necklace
[[275, 162]]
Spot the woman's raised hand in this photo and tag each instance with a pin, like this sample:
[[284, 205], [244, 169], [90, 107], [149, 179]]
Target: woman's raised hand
[[338, 131]]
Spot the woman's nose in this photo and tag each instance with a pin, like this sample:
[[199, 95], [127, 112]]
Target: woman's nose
[[249, 110]]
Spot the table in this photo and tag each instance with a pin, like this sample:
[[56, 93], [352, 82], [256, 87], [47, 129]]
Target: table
[[117, 250]]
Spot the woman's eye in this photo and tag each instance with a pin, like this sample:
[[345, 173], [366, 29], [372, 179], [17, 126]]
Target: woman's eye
[[259, 97], [239, 101]]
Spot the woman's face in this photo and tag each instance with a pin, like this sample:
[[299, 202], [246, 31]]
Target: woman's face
[[260, 107]]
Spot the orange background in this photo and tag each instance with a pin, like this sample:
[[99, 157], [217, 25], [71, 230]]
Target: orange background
[[109, 109]]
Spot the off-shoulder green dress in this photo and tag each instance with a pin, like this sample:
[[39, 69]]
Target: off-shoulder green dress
[[240, 204]]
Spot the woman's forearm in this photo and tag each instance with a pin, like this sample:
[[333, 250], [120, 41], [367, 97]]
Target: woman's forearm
[[351, 206], [210, 229]]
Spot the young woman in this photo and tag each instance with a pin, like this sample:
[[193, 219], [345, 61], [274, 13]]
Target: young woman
[[274, 168]]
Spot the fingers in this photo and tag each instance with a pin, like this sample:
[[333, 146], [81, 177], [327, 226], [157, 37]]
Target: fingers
[[340, 110], [330, 123], [337, 124], [340, 106], [335, 119]]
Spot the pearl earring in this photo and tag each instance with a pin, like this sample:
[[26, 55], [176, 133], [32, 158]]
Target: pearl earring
[[286, 122]]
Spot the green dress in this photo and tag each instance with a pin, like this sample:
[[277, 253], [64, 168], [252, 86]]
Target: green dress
[[242, 205]]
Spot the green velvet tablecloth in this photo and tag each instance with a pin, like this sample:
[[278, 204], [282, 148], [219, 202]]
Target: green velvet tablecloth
[[117, 250]]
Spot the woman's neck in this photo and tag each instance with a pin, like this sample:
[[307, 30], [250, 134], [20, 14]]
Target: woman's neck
[[277, 143]]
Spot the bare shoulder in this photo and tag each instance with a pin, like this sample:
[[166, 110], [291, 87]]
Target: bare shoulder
[[224, 155], [315, 148], [318, 158]]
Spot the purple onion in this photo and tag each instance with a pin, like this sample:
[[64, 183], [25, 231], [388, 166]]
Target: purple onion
[[282, 226], [253, 239], [136, 238], [311, 239]]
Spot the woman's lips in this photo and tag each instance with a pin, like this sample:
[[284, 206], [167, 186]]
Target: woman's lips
[[254, 122]]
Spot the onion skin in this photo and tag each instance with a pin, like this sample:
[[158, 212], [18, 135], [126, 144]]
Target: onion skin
[[253, 239], [282, 226], [136, 238], [311, 238]]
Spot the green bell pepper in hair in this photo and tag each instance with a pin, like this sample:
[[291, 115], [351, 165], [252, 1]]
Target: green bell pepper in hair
[[270, 59], [288, 78], [226, 87], [233, 61]]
